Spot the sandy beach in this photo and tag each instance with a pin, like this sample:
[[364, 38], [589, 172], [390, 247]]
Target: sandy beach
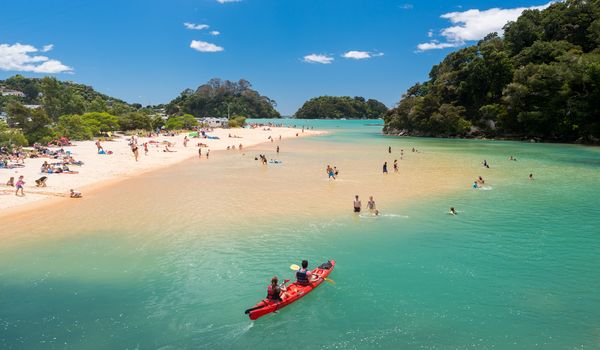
[[99, 170]]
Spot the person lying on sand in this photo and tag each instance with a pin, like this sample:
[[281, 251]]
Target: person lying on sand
[[75, 194]]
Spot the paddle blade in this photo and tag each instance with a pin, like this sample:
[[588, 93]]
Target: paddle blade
[[330, 280], [294, 267]]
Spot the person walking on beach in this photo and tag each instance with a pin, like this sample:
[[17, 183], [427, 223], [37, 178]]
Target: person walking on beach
[[199, 152], [134, 149], [385, 168], [207, 153], [390, 149], [330, 172], [185, 141], [371, 204], [19, 185], [145, 148], [277, 149], [395, 165], [357, 204]]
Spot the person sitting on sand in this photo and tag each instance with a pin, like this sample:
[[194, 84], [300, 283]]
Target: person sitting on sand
[[41, 182], [303, 276], [452, 211], [275, 291], [336, 171], [168, 150], [75, 194], [11, 182], [475, 185], [480, 181], [357, 204]]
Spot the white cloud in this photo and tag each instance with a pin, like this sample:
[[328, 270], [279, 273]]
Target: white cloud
[[214, 32], [361, 55], [226, 1], [203, 46], [474, 25], [193, 26], [316, 58], [19, 57], [406, 6], [47, 48], [430, 33], [433, 45]]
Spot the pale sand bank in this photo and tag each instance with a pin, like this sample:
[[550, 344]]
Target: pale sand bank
[[102, 169]]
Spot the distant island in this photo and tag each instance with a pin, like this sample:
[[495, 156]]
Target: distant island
[[222, 99], [540, 81], [338, 107]]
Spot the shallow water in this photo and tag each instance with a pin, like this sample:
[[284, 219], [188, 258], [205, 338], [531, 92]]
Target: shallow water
[[144, 264]]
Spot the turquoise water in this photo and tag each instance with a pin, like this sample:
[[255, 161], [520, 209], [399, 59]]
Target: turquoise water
[[517, 268]]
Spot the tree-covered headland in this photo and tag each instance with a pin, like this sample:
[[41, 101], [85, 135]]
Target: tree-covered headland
[[540, 80]]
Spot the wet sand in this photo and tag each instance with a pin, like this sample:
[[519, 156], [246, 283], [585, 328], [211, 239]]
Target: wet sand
[[232, 188]]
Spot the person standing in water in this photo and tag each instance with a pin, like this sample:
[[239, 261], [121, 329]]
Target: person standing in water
[[530, 176], [371, 204], [385, 168], [357, 204]]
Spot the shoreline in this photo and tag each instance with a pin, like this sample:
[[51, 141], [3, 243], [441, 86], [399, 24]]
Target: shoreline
[[41, 197], [522, 139]]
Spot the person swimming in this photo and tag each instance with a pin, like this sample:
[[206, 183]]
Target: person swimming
[[452, 211], [530, 176]]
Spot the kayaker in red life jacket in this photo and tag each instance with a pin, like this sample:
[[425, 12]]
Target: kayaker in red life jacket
[[303, 276], [274, 290]]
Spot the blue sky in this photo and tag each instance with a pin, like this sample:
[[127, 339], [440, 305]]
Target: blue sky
[[290, 50]]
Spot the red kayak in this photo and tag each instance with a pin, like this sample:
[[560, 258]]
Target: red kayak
[[294, 292]]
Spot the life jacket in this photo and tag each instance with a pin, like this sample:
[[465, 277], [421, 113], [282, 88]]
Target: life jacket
[[302, 277], [273, 293]]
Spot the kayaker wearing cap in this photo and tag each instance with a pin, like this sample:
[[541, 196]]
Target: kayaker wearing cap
[[303, 276], [274, 290]]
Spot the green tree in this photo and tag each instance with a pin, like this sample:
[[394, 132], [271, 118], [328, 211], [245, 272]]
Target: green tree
[[181, 122], [74, 127], [135, 120], [11, 136]]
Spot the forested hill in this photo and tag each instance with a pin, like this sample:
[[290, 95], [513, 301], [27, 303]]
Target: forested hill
[[541, 80], [223, 98], [334, 107], [61, 97]]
